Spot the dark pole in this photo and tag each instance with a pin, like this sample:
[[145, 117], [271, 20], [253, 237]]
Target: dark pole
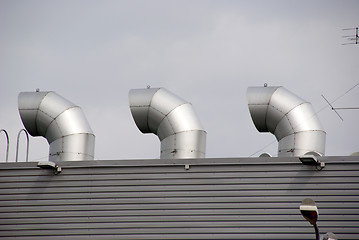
[[317, 235]]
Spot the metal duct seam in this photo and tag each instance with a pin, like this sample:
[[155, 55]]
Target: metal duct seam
[[172, 119], [291, 119], [61, 122]]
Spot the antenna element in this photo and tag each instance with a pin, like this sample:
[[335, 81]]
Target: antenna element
[[332, 107]]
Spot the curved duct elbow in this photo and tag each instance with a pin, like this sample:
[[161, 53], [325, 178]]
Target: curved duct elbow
[[291, 119], [172, 119], [61, 122]]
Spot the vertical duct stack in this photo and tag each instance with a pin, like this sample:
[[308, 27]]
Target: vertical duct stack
[[291, 119], [172, 119], [61, 122]]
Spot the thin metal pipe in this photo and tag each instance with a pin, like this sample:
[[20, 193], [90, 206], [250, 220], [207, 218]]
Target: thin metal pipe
[[17, 145], [7, 146]]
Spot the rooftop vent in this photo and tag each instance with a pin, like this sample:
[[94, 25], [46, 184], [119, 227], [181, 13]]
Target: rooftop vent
[[291, 119], [172, 119], [61, 122]]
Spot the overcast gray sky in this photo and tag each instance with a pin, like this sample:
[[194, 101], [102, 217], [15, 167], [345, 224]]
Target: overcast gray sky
[[207, 52]]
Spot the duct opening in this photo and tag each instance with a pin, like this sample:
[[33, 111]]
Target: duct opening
[[61, 122], [291, 119], [172, 119]]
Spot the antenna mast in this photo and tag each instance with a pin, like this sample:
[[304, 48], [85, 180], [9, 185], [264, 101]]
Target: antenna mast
[[354, 39]]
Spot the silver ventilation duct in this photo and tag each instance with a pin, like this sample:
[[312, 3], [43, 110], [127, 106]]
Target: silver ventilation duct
[[61, 122], [172, 119], [291, 119]]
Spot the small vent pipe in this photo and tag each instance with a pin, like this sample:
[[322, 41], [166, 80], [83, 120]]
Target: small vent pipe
[[172, 119], [291, 119], [61, 122]]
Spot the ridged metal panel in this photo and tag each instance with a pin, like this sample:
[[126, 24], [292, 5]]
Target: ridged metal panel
[[256, 198]]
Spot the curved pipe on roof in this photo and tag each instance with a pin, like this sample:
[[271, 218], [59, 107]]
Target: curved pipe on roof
[[291, 119], [61, 122], [172, 119]]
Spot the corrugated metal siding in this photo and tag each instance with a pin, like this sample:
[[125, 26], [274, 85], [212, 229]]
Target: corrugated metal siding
[[254, 198]]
